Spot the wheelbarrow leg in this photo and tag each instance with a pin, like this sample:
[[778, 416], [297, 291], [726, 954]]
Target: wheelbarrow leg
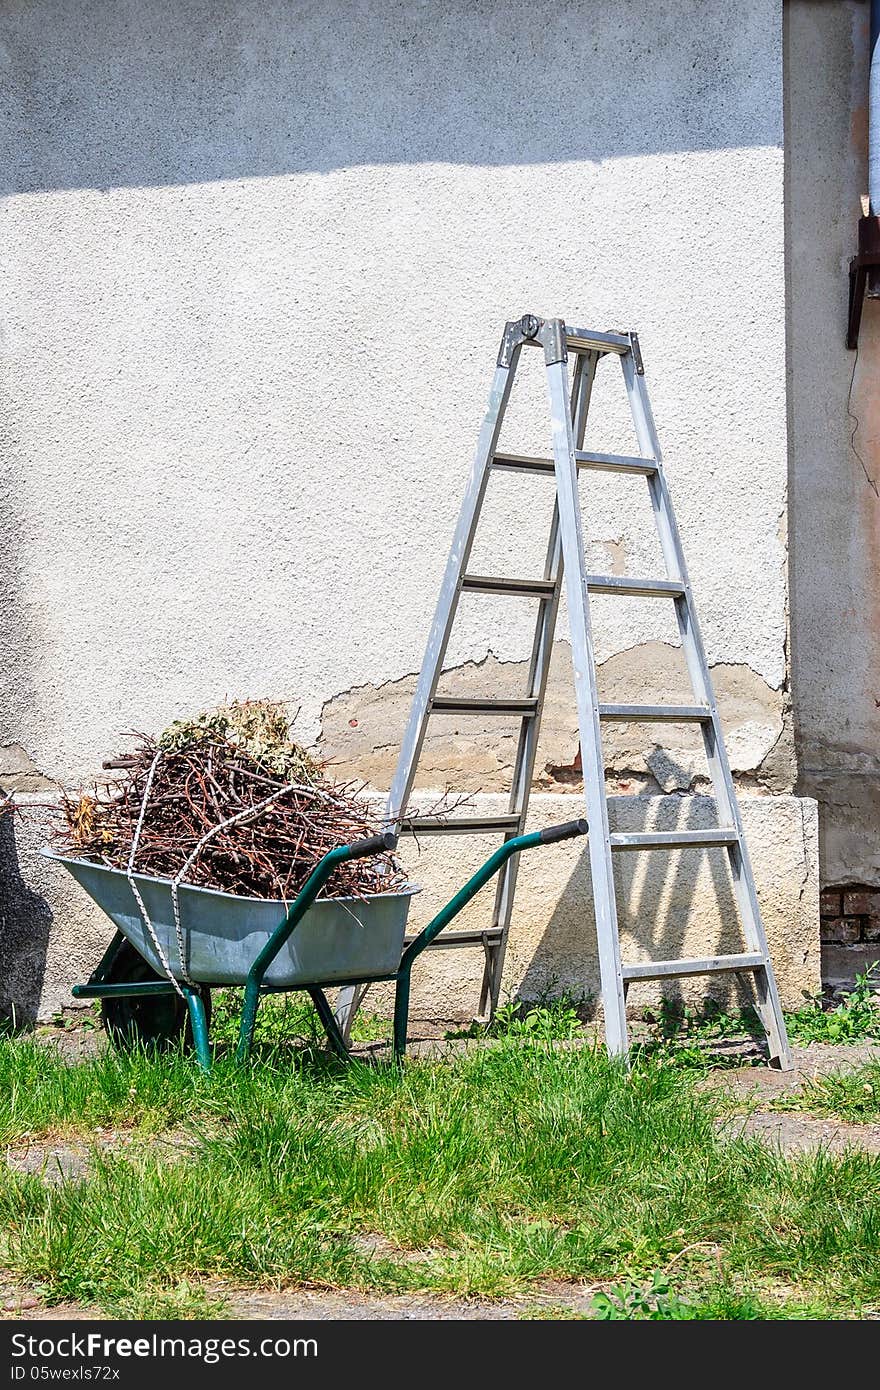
[[376, 844], [102, 969], [328, 1019], [401, 1010], [199, 1027], [248, 1017]]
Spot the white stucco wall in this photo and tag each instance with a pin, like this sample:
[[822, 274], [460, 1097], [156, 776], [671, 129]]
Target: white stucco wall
[[258, 259]]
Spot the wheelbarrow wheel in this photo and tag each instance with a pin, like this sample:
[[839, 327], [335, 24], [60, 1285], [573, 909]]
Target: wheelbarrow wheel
[[137, 1021]]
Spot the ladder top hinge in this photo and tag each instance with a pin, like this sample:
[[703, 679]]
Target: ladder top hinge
[[637, 353], [548, 333]]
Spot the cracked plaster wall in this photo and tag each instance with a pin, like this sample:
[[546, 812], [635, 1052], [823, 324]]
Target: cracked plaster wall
[[361, 728], [248, 327]]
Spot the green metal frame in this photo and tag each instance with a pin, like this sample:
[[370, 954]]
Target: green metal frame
[[307, 895], [442, 919], [99, 987]]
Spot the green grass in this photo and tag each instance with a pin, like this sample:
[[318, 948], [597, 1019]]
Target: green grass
[[851, 1095], [41, 1094], [482, 1174], [289, 1019]]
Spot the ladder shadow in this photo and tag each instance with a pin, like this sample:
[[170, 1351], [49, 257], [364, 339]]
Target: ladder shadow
[[671, 904]]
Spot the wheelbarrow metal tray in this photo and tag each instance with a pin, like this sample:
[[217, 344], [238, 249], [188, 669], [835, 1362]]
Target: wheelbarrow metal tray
[[337, 938]]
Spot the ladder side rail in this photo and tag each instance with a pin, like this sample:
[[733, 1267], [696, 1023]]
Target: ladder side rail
[[769, 1006], [447, 603], [539, 664], [584, 376], [583, 661], [685, 610], [582, 394], [523, 771]]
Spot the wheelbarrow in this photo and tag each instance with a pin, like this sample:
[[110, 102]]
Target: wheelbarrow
[[230, 940]]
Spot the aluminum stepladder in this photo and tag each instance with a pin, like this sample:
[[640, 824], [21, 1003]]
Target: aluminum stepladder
[[569, 406]]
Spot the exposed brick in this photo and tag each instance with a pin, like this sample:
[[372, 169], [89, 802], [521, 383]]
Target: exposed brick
[[861, 902], [871, 929], [830, 904], [842, 931]]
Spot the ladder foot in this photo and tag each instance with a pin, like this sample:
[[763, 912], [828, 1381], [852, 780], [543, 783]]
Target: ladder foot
[[782, 1063]]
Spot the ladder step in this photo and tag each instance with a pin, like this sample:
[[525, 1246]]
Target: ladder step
[[449, 704], [469, 825], [616, 463], [609, 463], [675, 839], [663, 969], [587, 340], [656, 714], [522, 463], [500, 584], [462, 938], [636, 588]]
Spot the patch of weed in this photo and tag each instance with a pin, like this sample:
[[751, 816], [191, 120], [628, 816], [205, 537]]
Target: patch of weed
[[630, 1302], [851, 1095], [855, 1019], [286, 1020], [548, 1020], [688, 1037]]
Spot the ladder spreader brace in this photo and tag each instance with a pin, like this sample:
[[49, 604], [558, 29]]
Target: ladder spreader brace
[[565, 562]]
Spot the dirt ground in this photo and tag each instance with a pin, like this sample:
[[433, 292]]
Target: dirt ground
[[335, 1305], [794, 1132]]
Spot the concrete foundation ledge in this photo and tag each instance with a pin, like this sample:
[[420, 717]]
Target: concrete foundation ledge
[[671, 904]]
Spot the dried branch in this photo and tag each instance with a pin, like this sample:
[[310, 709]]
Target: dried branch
[[217, 766]]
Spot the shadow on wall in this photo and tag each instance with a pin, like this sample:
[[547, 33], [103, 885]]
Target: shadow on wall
[[25, 921], [25, 917], [21, 633], [665, 911], [149, 92]]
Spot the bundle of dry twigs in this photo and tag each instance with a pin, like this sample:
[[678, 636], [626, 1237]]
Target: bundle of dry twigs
[[239, 764]]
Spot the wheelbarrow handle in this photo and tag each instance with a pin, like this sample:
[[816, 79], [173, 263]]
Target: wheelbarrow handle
[[488, 870], [566, 831], [376, 844], [360, 849]]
